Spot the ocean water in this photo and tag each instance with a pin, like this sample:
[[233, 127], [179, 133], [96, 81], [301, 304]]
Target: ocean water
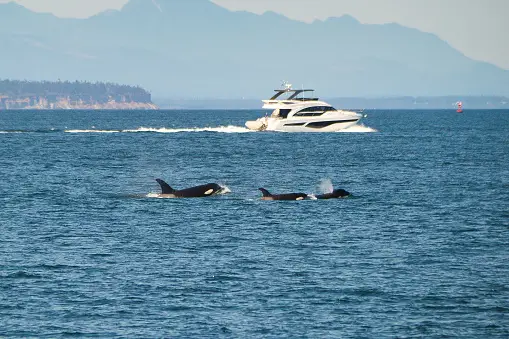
[[421, 249]]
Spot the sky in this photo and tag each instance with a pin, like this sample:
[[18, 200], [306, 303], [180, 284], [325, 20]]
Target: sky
[[477, 28]]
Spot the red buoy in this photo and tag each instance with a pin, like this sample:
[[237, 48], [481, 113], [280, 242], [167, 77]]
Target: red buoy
[[459, 104]]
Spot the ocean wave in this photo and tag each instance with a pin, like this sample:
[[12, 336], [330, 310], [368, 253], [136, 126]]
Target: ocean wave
[[22, 275], [51, 130]]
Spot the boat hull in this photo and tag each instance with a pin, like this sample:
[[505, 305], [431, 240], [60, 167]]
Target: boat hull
[[294, 125]]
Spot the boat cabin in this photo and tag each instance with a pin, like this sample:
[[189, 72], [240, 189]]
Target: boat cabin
[[288, 100]]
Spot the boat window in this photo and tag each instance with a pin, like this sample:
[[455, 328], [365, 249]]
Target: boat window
[[283, 113], [311, 111], [311, 114]]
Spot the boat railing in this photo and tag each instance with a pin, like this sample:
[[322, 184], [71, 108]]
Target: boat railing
[[306, 99], [289, 102]]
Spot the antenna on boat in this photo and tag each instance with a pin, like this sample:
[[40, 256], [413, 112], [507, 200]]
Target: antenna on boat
[[286, 85]]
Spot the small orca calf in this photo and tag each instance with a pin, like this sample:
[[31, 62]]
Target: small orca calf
[[192, 192], [336, 194], [289, 196]]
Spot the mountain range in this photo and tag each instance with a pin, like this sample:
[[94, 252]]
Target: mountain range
[[197, 49]]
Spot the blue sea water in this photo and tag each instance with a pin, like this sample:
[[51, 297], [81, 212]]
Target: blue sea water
[[421, 249]]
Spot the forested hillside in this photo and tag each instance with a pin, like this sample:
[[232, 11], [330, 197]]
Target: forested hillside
[[15, 94]]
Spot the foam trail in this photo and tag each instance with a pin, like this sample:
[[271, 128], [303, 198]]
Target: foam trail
[[90, 131], [158, 196], [358, 129], [325, 186], [220, 129]]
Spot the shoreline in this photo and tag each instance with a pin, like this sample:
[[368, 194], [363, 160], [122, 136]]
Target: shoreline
[[92, 107]]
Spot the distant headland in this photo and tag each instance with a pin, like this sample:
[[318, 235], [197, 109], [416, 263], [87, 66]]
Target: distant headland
[[16, 94]]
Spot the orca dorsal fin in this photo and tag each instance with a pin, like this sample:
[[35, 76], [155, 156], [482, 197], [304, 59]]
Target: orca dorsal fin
[[265, 192], [166, 189]]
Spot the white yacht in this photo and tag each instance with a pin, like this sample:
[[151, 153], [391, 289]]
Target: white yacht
[[293, 112]]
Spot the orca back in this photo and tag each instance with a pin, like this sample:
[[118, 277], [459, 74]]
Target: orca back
[[198, 191], [339, 193], [289, 196]]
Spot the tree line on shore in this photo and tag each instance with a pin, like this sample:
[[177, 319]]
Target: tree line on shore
[[97, 91]]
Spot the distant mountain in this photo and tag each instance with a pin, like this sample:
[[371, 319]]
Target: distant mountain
[[196, 49]]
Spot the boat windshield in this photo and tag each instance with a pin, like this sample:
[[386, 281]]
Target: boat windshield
[[287, 94], [280, 113]]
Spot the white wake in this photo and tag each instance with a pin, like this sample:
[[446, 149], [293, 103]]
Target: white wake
[[358, 129], [220, 129], [90, 131]]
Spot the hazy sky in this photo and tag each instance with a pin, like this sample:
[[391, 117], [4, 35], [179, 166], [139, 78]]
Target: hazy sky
[[478, 28]]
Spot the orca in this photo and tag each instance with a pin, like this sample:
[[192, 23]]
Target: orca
[[288, 196], [336, 194], [192, 192]]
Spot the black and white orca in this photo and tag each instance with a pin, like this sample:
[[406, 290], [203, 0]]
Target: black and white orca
[[192, 192], [288, 196], [336, 194]]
